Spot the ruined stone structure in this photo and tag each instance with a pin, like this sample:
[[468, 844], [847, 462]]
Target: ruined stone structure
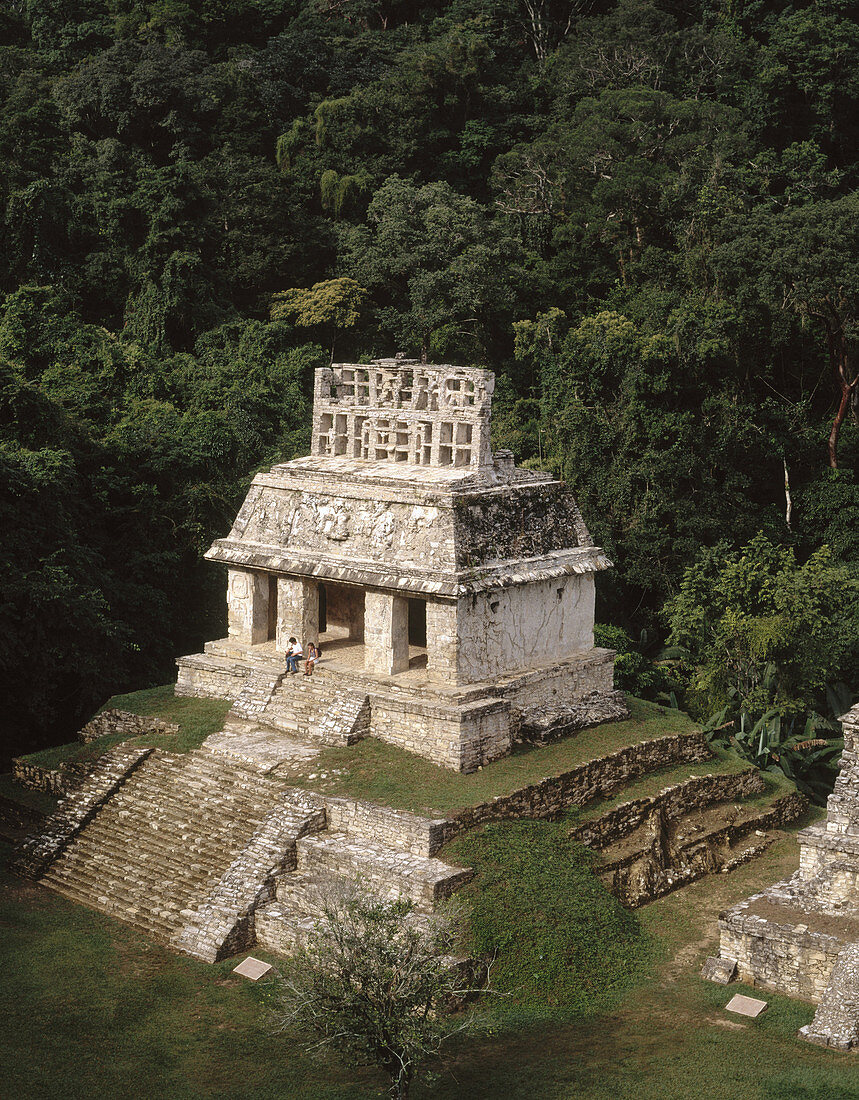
[[453, 597], [452, 593], [800, 936]]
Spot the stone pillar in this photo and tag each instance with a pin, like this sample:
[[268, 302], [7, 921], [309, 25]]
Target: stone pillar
[[442, 641], [247, 606], [297, 611], [386, 633]]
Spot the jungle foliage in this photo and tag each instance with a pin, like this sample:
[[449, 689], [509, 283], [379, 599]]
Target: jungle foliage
[[641, 215]]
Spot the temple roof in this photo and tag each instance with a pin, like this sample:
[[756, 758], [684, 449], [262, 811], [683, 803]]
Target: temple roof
[[402, 491]]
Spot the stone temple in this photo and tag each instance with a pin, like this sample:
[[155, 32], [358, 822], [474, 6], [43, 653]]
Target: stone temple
[[453, 597], [451, 592]]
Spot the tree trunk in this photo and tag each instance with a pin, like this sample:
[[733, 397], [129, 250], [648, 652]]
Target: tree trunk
[[836, 424], [839, 358]]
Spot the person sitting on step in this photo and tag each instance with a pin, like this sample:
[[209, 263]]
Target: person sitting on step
[[293, 655], [313, 655]]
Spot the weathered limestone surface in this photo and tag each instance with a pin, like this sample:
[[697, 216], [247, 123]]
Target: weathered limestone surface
[[123, 722], [652, 846], [297, 610], [596, 778], [789, 937], [196, 849], [698, 791], [386, 633], [222, 924], [551, 722], [836, 1022], [248, 605], [77, 810], [402, 533], [59, 781]]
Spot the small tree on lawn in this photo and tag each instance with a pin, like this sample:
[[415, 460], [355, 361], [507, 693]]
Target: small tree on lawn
[[376, 981]]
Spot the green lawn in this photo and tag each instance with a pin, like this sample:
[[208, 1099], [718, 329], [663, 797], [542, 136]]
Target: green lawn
[[196, 718], [382, 773], [93, 1009]]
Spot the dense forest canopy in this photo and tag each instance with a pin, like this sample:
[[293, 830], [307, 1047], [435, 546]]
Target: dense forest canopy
[[644, 216]]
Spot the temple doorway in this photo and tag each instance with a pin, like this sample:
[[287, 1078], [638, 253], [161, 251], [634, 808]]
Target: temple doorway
[[417, 633], [341, 613], [272, 609], [417, 623]]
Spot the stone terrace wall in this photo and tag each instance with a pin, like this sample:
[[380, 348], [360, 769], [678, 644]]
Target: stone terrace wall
[[594, 779], [33, 856], [699, 791], [122, 721], [396, 828], [59, 781], [69, 776], [463, 740], [784, 957]]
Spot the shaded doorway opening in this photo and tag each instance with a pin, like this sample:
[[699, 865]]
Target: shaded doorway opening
[[323, 609], [341, 611], [418, 623], [272, 609]]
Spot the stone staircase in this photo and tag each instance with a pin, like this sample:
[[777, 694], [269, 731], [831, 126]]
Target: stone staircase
[[160, 849], [314, 708], [391, 851], [209, 854], [256, 693]]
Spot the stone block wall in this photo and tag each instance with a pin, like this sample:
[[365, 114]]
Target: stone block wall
[[442, 640], [463, 739], [59, 781], [208, 678], [69, 776], [699, 791], [782, 957], [509, 629], [395, 828], [557, 684], [594, 779], [122, 721]]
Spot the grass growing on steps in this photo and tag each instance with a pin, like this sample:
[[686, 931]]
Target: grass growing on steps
[[196, 718], [725, 762], [561, 940], [383, 773]]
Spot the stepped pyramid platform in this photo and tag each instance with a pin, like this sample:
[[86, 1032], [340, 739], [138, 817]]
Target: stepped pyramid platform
[[800, 936], [214, 851], [193, 849], [452, 593]]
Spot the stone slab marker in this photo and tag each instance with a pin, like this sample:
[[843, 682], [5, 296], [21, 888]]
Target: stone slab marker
[[746, 1006], [253, 968]]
